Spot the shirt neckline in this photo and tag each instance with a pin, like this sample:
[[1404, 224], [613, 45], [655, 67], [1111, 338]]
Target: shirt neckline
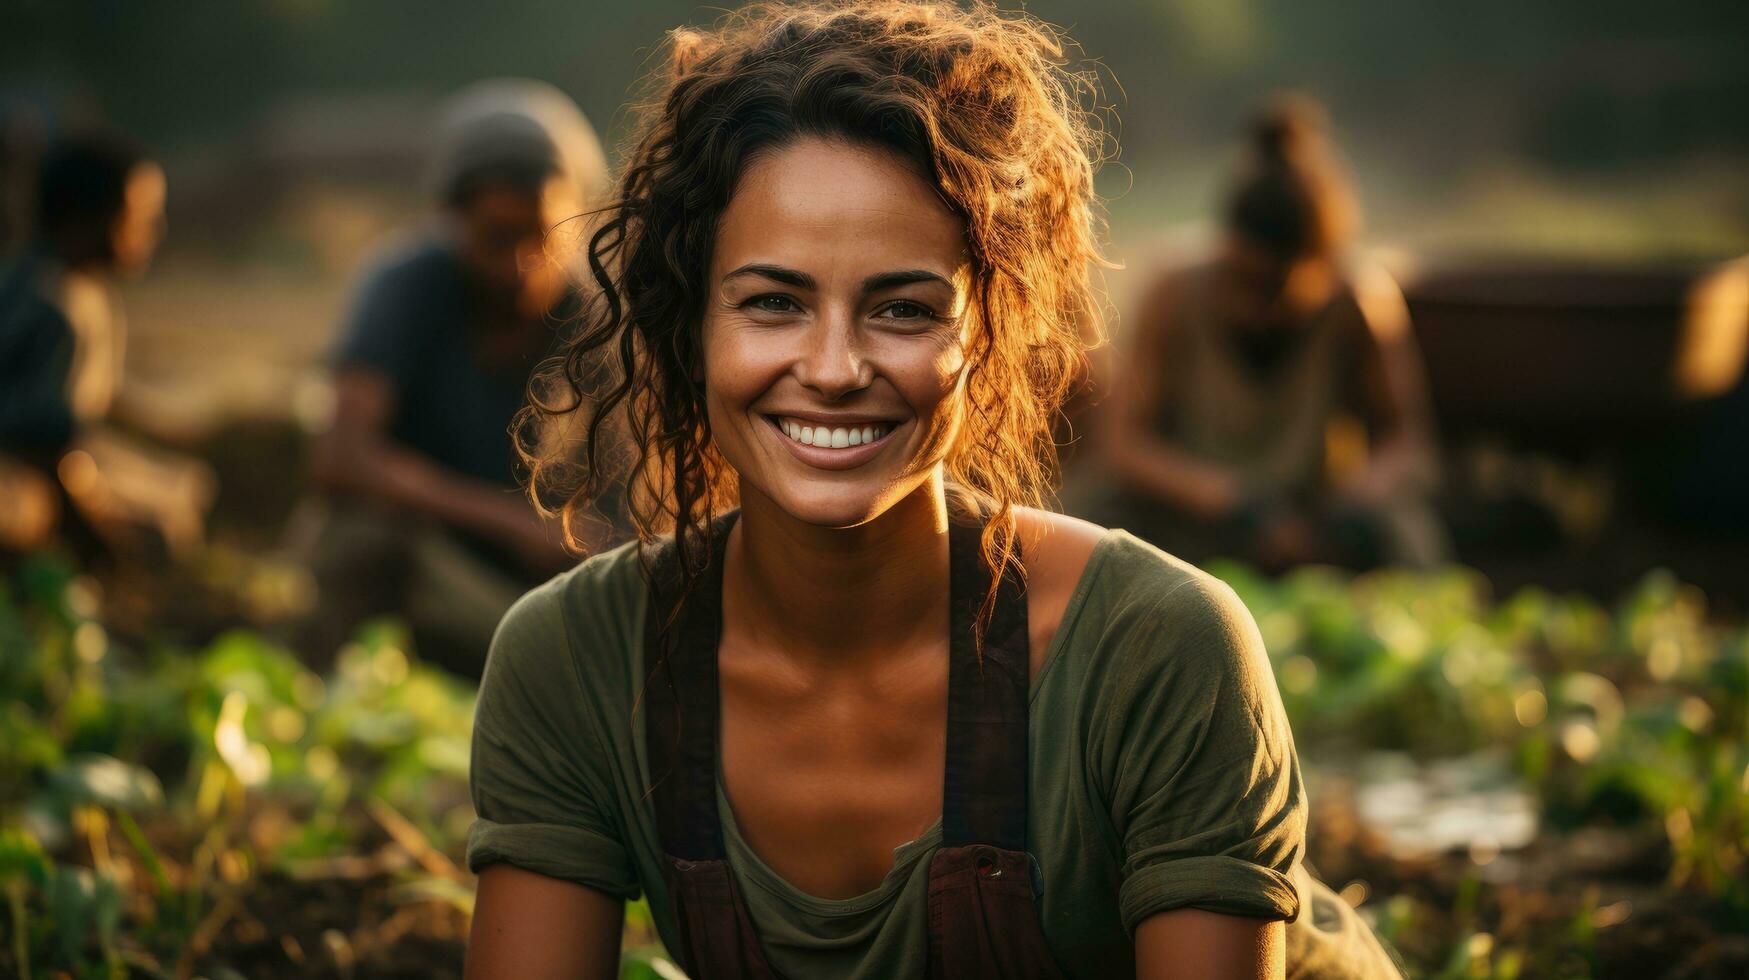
[[907, 854]]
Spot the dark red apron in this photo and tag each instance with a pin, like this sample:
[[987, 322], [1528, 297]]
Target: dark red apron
[[983, 910]]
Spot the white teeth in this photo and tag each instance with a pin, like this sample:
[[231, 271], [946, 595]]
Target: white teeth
[[819, 435]]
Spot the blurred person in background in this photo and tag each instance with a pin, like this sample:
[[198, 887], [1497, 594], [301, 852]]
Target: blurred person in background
[[1274, 408], [419, 512], [99, 218]]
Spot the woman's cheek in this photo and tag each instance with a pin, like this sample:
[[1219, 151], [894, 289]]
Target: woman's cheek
[[740, 362], [930, 364], [929, 372]]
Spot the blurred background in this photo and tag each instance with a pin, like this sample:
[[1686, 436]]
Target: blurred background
[[1524, 730]]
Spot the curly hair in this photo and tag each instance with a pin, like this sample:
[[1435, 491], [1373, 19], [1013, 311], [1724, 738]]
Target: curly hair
[[980, 101]]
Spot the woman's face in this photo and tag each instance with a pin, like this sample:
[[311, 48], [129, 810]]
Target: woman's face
[[833, 332], [1261, 291]]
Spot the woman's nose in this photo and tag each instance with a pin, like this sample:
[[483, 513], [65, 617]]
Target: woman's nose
[[832, 362]]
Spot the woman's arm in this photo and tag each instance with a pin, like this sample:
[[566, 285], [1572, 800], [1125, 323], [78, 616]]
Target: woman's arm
[[355, 456], [531, 926], [554, 872], [1194, 756], [1392, 393], [1190, 944], [1133, 449]]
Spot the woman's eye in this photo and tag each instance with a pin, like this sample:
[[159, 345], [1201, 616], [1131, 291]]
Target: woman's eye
[[773, 303], [907, 310]]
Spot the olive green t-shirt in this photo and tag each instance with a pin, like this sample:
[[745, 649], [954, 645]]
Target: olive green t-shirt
[[1163, 773]]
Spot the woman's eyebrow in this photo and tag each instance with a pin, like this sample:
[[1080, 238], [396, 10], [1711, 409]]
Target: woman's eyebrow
[[905, 277], [776, 273], [873, 284]]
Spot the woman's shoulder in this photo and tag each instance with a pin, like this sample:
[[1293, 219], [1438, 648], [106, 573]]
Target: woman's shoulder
[[583, 623], [1132, 579], [1055, 550], [1144, 614], [1163, 675], [1368, 300], [1114, 568]]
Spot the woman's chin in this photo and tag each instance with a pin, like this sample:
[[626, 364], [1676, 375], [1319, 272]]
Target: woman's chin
[[829, 499], [829, 510]]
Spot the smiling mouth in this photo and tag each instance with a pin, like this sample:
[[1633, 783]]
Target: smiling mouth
[[830, 436]]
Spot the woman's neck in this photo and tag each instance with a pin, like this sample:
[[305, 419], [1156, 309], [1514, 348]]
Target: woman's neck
[[840, 595]]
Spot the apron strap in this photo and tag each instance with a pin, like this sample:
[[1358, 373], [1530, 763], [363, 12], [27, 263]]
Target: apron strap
[[680, 697], [984, 793], [985, 790]]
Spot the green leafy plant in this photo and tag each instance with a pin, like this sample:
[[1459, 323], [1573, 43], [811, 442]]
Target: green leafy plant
[[151, 800]]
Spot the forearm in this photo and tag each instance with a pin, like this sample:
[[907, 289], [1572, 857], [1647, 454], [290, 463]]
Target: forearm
[[1402, 463], [1161, 469], [143, 415], [406, 480]]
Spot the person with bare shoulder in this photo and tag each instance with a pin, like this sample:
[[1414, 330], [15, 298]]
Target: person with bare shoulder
[[856, 705], [1273, 404]]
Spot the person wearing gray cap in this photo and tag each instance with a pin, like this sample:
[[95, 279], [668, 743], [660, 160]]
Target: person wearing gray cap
[[419, 514]]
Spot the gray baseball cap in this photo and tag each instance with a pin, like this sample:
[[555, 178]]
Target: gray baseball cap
[[517, 123]]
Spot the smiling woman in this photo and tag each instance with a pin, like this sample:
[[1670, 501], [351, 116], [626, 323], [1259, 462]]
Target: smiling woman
[[855, 706], [841, 287], [992, 131]]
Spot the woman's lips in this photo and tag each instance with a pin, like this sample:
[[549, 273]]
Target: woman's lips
[[836, 451]]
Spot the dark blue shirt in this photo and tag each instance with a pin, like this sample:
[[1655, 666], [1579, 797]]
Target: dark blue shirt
[[36, 357], [416, 320]]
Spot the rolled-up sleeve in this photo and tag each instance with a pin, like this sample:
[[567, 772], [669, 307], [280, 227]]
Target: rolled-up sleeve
[[539, 768], [1205, 788]]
